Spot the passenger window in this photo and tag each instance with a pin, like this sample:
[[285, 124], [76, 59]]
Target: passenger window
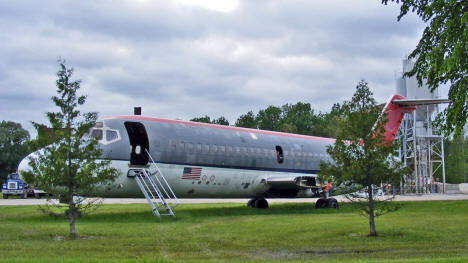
[[182, 146], [252, 152], [259, 152], [222, 148], [199, 147], [111, 135], [157, 144], [243, 151], [190, 147]]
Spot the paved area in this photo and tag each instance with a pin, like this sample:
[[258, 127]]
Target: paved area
[[11, 202]]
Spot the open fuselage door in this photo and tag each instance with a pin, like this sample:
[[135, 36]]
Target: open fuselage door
[[139, 143], [147, 174]]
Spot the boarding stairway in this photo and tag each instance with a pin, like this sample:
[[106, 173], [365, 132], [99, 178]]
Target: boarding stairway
[[156, 189]]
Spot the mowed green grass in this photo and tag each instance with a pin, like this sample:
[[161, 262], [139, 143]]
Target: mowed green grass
[[433, 231]]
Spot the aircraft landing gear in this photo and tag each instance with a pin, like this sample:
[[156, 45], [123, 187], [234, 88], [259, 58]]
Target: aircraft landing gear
[[327, 203], [258, 203]]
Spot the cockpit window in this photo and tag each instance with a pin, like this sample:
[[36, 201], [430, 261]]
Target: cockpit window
[[104, 134], [111, 135], [96, 134]]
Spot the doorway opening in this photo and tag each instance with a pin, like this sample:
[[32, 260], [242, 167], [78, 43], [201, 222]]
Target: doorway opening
[[139, 142], [279, 154]]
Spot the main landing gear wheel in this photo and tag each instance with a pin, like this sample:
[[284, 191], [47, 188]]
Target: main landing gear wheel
[[332, 203], [258, 203], [321, 203], [327, 203]]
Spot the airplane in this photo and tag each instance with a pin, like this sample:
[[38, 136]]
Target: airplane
[[201, 160]]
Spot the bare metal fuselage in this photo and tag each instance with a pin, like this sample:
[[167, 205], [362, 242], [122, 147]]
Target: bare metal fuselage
[[235, 162]]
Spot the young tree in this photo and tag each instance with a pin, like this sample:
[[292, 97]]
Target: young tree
[[442, 54], [361, 156], [13, 146], [73, 165]]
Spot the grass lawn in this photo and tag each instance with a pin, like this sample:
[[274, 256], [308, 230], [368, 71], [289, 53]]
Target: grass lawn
[[432, 231]]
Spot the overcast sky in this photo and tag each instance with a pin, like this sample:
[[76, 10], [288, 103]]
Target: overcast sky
[[184, 58]]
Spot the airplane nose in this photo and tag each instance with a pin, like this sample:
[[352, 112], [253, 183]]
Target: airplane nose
[[24, 166]]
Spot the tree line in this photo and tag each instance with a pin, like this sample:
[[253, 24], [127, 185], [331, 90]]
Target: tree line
[[297, 118]]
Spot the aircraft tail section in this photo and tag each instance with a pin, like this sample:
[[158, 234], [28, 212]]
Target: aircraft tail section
[[395, 113]]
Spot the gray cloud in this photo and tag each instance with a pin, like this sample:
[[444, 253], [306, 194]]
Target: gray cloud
[[181, 61]]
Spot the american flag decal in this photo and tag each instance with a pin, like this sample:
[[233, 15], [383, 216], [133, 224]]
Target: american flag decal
[[191, 173]]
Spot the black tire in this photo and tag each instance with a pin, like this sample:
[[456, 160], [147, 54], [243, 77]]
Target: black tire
[[261, 203], [37, 195], [5, 196], [332, 203], [24, 195], [321, 203], [251, 203]]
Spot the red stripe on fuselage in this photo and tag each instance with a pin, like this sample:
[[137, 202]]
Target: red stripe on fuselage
[[222, 127]]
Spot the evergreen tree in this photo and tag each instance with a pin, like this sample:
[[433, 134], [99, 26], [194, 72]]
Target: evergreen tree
[[73, 165]]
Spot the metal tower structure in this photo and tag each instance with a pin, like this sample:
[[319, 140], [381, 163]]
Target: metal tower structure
[[422, 150]]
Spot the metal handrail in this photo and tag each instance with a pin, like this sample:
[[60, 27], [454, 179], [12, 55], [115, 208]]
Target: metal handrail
[[177, 202]]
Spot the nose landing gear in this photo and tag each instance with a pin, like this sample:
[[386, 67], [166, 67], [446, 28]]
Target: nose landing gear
[[258, 203]]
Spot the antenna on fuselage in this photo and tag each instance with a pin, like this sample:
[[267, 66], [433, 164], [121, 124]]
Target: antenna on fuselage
[[137, 110]]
